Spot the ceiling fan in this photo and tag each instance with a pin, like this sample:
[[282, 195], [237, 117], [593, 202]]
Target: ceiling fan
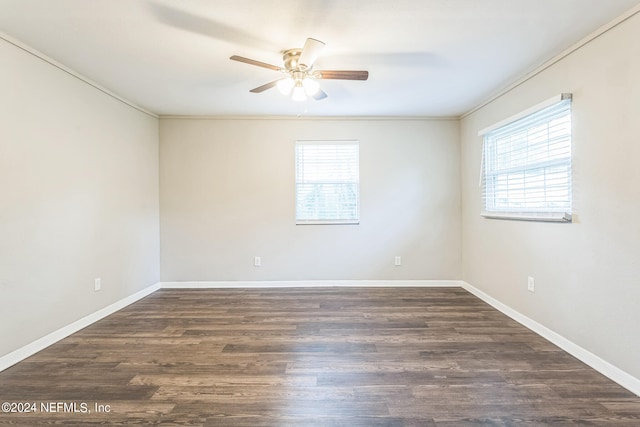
[[301, 79]]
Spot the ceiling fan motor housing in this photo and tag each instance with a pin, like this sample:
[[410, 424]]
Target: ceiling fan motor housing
[[291, 59]]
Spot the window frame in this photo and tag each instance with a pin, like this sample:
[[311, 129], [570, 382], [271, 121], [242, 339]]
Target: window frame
[[350, 220], [538, 116]]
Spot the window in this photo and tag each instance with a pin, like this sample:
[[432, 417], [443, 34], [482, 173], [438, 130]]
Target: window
[[526, 164], [327, 182]]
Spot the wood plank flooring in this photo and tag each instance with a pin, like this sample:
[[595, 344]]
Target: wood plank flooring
[[311, 357]]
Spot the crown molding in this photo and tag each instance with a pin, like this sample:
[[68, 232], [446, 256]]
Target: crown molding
[[20, 45], [557, 58]]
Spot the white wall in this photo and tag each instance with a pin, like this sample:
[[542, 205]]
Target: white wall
[[227, 195], [78, 199], [587, 273]]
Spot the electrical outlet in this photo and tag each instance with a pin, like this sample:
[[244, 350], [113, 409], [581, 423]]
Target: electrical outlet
[[257, 262], [531, 284], [97, 285], [398, 260]]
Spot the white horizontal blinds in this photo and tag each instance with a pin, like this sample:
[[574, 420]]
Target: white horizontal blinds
[[527, 163], [327, 182]]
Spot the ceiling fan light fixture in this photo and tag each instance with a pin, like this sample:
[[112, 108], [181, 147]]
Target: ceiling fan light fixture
[[298, 93], [311, 87], [285, 86]]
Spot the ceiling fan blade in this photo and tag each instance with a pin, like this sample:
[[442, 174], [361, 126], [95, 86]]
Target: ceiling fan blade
[[254, 62], [320, 95], [310, 52], [265, 86], [341, 75]]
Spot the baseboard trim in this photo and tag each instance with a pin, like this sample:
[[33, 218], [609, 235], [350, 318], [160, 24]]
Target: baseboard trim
[[40, 344], [612, 372], [311, 284]]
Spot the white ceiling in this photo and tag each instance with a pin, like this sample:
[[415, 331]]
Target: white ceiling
[[424, 57]]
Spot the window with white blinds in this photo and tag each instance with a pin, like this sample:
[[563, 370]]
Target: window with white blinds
[[526, 167], [327, 182]]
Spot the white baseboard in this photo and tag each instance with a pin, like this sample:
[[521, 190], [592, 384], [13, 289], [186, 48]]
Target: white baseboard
[[626, 380], [22, 353], [619, 376], [312, 284]]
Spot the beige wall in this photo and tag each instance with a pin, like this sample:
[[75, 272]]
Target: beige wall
[[227, 195], [78, 199], [587, 273]]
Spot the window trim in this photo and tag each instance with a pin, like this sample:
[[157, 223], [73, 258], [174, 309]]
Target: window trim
[[354, 221], [525, 215]]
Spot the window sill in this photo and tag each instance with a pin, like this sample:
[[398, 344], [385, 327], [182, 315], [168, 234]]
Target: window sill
[[530, 216], [329, 222]]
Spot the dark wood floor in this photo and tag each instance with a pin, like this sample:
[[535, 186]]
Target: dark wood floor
[[312, 357]]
